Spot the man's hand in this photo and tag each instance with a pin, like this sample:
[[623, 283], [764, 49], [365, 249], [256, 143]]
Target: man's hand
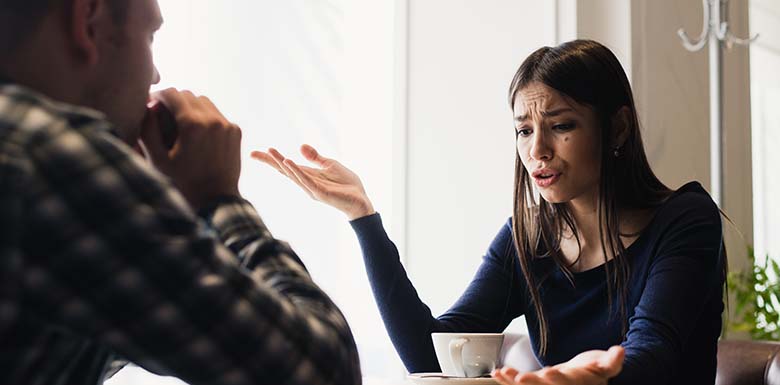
[[205, 160], [593, 367]]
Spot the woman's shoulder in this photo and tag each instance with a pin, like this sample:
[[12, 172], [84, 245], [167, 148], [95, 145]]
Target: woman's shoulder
[[502, 245], [505, 233], [685, 208], [690, 199]]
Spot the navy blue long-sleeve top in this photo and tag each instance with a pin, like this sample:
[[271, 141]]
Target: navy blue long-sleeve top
[[674, 301]]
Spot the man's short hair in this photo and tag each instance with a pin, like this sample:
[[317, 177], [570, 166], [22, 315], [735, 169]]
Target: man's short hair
[[21, 18]]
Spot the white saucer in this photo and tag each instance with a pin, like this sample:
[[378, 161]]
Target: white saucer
[[418, 378]]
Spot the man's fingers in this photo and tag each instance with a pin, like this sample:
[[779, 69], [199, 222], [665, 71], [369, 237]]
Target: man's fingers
[[152, 137], [206, 102], [175, 100]]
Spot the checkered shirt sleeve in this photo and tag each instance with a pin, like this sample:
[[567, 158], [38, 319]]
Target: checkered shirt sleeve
[[103, 251]]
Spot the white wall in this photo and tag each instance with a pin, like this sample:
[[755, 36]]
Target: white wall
[[606, 21], [462, 55], [671, 90], [671, 87]]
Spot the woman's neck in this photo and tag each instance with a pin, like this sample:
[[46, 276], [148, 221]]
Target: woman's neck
[[590, 250], [585, 213]]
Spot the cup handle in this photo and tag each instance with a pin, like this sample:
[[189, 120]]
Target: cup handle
[[456, 355]]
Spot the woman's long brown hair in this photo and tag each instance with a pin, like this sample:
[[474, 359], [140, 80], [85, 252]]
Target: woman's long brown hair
[[590, 74]]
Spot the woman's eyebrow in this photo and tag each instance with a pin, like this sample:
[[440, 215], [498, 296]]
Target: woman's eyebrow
[[546, 114]]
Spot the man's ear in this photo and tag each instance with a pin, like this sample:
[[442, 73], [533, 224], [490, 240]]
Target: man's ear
[[621, 121], [87, 23]]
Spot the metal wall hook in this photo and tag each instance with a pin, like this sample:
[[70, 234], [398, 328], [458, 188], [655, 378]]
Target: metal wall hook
[[715, 31], [697, 45], [730, 39], [722, 32], [725, 34]]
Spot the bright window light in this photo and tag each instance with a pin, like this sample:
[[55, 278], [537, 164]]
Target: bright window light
[[293, 72]]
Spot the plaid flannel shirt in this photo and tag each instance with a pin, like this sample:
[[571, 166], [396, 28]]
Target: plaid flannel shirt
[[101, 257]]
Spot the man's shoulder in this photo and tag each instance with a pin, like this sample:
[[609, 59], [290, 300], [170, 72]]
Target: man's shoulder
[[38, 133], [26, 114]]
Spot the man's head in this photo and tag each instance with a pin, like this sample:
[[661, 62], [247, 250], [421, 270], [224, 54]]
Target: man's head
[[94, 53]]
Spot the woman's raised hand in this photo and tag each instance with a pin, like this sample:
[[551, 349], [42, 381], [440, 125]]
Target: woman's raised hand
[[330, 182]]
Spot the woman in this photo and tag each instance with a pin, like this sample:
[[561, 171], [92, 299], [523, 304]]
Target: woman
[[603, 255]]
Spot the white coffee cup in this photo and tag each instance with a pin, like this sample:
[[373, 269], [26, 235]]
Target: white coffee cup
[[467, 354]]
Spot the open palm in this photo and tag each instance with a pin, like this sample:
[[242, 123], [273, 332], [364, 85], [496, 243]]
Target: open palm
[[593, 367], [330, 182]]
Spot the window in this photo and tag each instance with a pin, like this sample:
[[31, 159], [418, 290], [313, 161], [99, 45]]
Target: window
[[765, 97], [290, 72]]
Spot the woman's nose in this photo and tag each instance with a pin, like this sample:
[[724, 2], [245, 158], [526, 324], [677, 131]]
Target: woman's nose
[[540, 149]]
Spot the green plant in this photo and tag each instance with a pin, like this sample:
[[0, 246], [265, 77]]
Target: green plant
[[756, 296]]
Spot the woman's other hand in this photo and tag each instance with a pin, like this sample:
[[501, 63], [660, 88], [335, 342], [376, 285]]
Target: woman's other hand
[[593, 367], [330, 182]]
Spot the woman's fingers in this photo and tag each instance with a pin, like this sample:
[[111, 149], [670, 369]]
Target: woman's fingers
[[528, 378], [588, 368], [312, 155], [551, 375], [279, 158], [302, 176], [509, 376], [304, 179], [275, 159], [612, 361], [544, 376], [328, 181], [271, 161], [267, 159], [507, 372], [502, 378]]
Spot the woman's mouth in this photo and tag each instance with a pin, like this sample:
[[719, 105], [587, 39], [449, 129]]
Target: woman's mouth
[[545, 178]]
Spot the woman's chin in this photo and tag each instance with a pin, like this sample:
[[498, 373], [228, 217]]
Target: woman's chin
[[554, 197]]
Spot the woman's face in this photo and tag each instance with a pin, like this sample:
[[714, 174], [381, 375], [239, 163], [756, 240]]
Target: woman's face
[[558, 141]]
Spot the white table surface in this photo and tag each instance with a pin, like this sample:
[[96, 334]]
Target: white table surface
[[133, 375]]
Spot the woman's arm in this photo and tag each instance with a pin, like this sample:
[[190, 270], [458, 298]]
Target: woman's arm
[[685, 275], [490, 302]]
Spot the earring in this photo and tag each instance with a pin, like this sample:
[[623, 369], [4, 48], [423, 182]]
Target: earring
[[616, 152]]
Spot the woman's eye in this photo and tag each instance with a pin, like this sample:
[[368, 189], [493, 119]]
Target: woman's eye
[[523, 132], [564, 126]]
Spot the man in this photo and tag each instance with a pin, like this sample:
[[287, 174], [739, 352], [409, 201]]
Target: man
[[102, 256]]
